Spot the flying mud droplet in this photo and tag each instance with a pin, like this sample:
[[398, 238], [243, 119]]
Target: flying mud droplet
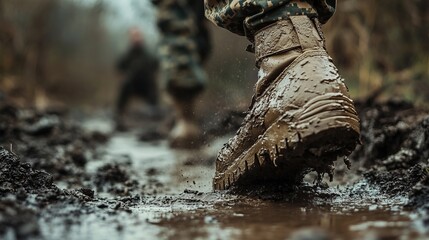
[[347, 162]]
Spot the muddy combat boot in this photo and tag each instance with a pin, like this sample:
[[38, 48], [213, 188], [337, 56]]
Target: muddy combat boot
[[186, 132], [301, 118]]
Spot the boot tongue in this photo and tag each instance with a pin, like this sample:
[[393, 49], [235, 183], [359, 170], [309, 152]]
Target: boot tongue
[[278, 37], [277, 45], [285, 35]]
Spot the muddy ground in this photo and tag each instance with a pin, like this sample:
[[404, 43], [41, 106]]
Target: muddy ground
[[64, 176]]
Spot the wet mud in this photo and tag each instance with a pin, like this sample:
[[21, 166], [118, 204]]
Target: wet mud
[[77, 179]]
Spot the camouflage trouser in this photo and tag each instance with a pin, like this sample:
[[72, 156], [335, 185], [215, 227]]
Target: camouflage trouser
[[245, 17], [184, 46]]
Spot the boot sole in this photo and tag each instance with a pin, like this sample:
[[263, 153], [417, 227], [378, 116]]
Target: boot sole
[[310, 138]]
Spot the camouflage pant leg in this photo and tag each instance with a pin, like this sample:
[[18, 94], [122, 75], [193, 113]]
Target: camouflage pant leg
[[245, 17], [181, 42]]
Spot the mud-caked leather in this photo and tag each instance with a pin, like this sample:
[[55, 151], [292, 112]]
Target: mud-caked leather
[[301, 118]]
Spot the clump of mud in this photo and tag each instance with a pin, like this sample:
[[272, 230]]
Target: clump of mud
[[17, 181], [21, 190], [395, 150], [15, 175], [115, 178]]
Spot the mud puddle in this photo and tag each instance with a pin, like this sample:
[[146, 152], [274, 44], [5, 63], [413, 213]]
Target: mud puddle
[[237, 221]]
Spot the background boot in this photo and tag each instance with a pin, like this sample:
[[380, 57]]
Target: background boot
[[301, 117], [186, 132]]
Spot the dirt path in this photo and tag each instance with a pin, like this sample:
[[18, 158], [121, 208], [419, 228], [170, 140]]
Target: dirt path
[[101, 186], [176, 201]]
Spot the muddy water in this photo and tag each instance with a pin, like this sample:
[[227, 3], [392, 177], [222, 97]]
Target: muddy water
[[177, 203]]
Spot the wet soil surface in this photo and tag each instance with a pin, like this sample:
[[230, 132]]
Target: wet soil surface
[[64, 179]]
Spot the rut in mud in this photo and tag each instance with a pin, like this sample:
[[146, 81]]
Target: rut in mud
[[59, 179]]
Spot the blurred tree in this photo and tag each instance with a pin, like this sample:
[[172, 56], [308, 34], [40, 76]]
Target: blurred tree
[[383, 42], [6, 42], [37, 41], [50, 47]]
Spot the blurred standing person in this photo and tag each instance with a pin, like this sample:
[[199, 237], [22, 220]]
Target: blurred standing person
[[185, 46], [301, 117], [140, 70]]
